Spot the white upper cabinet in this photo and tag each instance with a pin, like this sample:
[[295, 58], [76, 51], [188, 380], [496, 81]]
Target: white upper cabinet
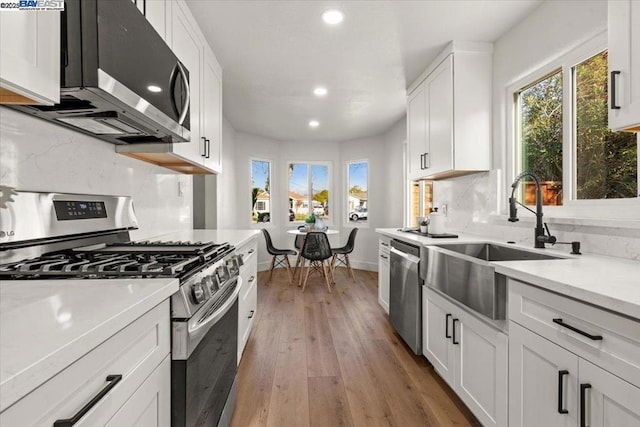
[[155, 11], [624, 65], [211, 122], [30, 52], [449, 114]]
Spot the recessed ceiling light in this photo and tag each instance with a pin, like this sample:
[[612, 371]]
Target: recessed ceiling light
[[332, 16], [154, 88], [320, 91], [314, 123]]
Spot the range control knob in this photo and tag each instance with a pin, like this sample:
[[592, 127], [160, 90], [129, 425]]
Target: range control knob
[[240, 260], [211, 283], [197, 292]]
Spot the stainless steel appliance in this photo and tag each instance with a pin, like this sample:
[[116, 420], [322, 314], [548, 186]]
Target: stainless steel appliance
[[119, 81], [57, 236], [405, 293]]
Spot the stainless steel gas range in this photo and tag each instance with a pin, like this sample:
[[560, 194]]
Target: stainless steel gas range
[[55, 236]]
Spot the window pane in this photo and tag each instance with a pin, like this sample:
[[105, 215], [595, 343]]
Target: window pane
[[298, 191], [320, 190], [541, 138], [260, 197], [358, 192], [606, 162]]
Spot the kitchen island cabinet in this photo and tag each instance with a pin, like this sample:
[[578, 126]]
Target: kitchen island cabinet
[[60, 348], [30, 51]]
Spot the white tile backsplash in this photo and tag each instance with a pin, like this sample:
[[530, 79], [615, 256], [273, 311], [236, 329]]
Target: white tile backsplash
[[473, 202], [39, 156]]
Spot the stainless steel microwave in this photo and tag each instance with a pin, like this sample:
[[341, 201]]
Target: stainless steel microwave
[[119, 80]]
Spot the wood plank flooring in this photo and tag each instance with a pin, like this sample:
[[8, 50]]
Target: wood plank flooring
[[332, 359]]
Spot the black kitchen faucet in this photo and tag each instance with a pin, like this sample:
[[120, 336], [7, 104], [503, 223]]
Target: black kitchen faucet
[[540, 236]]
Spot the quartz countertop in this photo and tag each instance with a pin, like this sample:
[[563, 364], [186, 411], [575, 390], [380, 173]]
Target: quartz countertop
[[46, 325], [607, 282], [235, 237]]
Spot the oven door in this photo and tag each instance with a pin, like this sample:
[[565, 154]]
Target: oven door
[[202, 381]]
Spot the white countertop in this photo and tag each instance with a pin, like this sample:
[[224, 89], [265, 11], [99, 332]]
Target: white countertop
[[45, 325], [611, 283], [235, 237]]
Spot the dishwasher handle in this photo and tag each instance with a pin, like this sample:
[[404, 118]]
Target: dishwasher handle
[[410, 258]]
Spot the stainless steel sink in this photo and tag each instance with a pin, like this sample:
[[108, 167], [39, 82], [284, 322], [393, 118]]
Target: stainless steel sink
[[464, 272], [493, 252]]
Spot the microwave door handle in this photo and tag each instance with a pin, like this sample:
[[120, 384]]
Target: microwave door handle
[[185, 106], [172, 87]]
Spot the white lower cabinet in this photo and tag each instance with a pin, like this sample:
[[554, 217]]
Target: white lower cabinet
[[133, 366], [470, 355], [551, 386], [570, 363], [383, 272], [248, 298]]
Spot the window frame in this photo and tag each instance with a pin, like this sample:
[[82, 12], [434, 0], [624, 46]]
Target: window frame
[[572, 207], [271, 187], [329, 219], [346, 222]]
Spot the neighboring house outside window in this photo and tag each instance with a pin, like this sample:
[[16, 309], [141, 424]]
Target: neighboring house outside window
[[309, 185], [358, 191], [260, 191]]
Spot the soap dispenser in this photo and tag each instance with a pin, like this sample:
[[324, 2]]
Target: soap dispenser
[[436, 222]]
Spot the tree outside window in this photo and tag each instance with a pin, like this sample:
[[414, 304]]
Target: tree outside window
[[308, 190], [260, 191]]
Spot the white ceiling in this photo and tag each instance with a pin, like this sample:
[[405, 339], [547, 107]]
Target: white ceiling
[[273, 53]]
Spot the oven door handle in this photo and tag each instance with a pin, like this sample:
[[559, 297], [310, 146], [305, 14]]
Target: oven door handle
[[218, 314]]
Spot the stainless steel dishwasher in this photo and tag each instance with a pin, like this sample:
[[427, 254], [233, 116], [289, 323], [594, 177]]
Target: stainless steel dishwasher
[[405, 293]]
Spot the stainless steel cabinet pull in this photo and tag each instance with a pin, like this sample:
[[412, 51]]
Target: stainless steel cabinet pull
[[384, 244], [384, 256], [453, 325], [251, 279], [583, 404], [207, 148], [574, 329], [251, 251], [614, 75], [251, 314], [446, 326], [426, 160], [112, 380], [561, 375]]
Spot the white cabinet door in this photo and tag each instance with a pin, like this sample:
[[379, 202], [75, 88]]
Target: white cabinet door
[[624, 59], [542, 381], [606, 400], [155, 11], [212, 112], [150, 405], [437, 322], [440, 118], [417, 132], [481, 376], [30, 51], [383, 281], [188, 48]]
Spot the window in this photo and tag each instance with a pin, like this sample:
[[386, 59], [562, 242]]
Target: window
[[561, 134], [357, 187], [540, 134], [260, 191], [308, 190], [421, 195]]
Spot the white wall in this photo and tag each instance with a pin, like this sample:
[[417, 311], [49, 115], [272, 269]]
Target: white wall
[[394, 173], [475, 201], [36, 155]]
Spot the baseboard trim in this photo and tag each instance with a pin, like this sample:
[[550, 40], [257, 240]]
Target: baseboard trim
[[357, 264]]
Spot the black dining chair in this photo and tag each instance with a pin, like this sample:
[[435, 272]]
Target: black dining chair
[[316, 250], [275, 253], [297, 244], [341, 255]]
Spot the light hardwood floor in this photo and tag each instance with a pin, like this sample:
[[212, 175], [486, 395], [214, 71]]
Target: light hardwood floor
[[320, 359]]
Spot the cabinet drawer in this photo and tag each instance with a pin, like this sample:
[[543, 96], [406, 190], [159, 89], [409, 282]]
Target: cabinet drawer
[[383, 245], [249, 274], [134, 353], [249, 252], [615, 340]]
